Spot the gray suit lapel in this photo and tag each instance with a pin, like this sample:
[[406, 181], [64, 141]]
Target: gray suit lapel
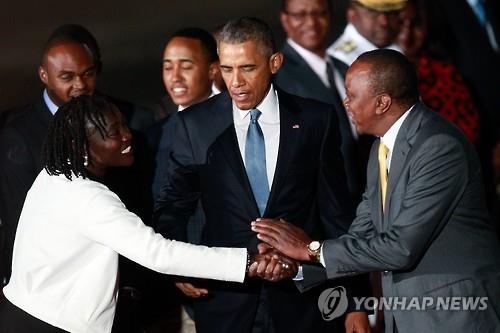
[[373, 181], [404, 141]]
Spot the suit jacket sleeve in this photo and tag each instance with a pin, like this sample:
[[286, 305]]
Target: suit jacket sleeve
[[435, 185], [180, 192]]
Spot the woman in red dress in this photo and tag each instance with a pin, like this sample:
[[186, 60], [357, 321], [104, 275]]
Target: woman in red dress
[[441, 86]]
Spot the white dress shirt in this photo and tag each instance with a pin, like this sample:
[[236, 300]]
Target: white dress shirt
[[65, 259], [389, 138], [317, 63], [269, 122], [50, 105]]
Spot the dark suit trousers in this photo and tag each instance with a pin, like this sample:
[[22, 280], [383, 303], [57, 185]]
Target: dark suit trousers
[[15, 320]]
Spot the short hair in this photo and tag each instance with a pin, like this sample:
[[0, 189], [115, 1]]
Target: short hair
[[79, 34], [246, 29], [392, 73], [66, 147], [208, 43]]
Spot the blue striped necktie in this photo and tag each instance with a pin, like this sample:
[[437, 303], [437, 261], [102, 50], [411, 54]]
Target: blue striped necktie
[[255, 161]]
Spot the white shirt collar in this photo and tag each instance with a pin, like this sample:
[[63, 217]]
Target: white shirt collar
[[389, 138], [268, 107], [51, 105], [212, 93], [215, 90], [317, 63]]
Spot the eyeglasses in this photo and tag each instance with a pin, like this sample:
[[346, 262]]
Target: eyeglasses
[[315, 14]]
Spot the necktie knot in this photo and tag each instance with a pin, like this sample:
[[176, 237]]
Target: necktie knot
[[383, 150], [254, 115]]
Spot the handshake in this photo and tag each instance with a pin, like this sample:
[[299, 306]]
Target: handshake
[[283, 246], [270, 264]]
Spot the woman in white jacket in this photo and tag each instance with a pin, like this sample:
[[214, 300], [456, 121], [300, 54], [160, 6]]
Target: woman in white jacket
[[72, 228]]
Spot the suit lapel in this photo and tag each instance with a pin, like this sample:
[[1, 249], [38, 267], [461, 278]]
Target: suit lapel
[[223, 113], [373, 165], [305, 72], [404, 141], [290, 129]]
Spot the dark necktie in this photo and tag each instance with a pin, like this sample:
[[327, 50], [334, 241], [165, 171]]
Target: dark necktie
[[255, 161]]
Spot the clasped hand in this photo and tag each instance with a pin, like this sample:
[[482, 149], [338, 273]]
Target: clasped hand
[[271, 265], [268, 264]]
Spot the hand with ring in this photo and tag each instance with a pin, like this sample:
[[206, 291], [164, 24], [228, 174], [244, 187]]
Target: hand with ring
[[272, 265]]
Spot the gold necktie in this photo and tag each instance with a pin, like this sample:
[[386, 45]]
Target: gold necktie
[[382, 164]]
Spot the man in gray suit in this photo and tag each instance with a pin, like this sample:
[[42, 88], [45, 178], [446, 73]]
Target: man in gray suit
[[431, 236]]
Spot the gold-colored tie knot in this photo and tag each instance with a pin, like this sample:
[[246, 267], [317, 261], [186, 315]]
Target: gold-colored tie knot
[[382, 163]]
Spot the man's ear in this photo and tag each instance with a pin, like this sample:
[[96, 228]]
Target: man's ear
[[275, 62], [42, 73], [384, 102], [213, 69]]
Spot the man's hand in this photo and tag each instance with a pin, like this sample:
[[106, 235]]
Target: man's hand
[[191, 291], [357, 322], [284, 237], [271, 265]]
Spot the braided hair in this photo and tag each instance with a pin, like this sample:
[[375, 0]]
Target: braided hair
[[66, 147]]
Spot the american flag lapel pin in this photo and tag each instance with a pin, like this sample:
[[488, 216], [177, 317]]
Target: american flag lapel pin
[[296, 126]]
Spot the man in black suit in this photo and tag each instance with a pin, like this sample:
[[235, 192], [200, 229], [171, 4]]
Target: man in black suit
[[255, 151], [67, 70], [190, 63], [308, 71]]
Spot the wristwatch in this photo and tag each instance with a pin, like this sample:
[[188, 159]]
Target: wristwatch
[[314, 249]]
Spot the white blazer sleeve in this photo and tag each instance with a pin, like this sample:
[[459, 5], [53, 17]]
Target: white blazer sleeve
[[108, 222]]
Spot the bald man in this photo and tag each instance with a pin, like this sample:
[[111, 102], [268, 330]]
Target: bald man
[[67, 70]]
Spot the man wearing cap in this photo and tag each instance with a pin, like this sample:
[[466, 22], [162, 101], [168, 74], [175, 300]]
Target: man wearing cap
[[372, 24]]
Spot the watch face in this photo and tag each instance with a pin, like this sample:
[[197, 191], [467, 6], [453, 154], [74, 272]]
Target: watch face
[[314, 246]]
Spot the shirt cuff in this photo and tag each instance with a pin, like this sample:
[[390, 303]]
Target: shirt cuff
[[300, 275], [321, 258]]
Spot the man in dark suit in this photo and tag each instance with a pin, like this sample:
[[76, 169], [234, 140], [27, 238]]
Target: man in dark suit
[[190, 63], [67, 69], [308, 71], [423, 219], [249, 152]]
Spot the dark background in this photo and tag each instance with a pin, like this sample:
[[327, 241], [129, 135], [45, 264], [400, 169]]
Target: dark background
[[131, 35]]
